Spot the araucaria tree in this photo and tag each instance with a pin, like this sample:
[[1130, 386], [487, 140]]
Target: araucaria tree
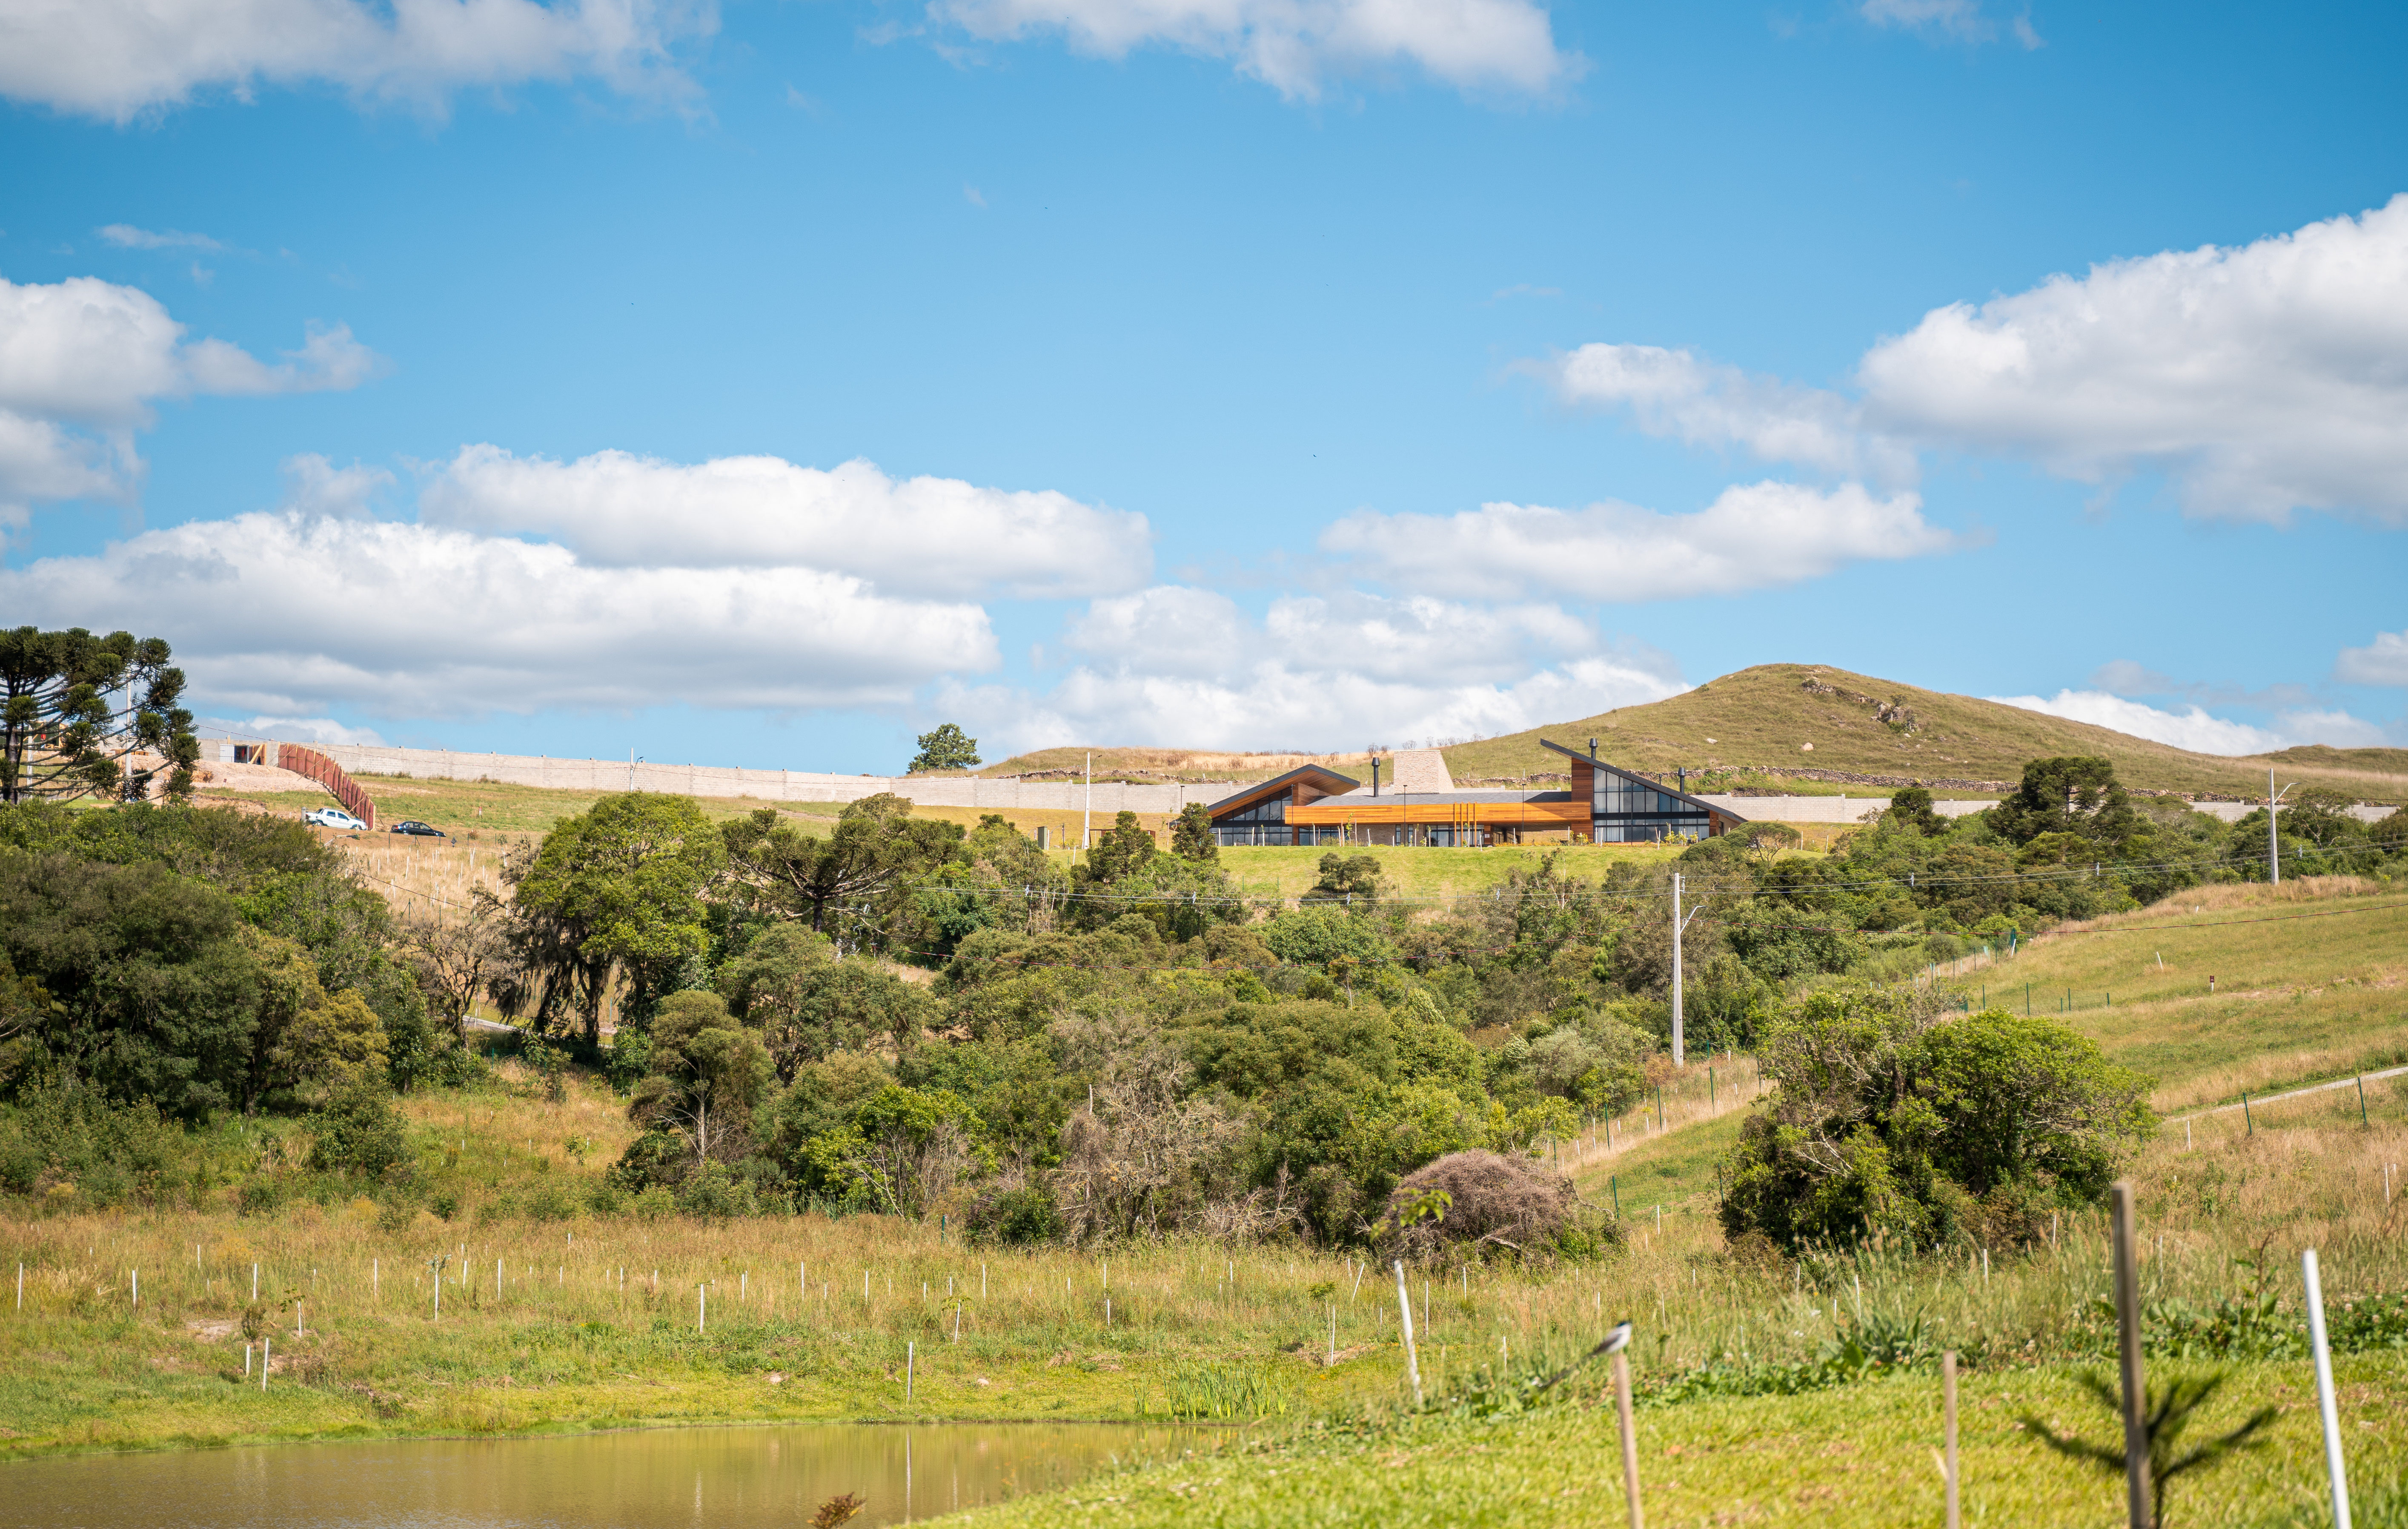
[[78, 714]]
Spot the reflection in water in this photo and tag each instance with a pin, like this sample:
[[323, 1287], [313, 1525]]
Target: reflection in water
[[667, 1479]]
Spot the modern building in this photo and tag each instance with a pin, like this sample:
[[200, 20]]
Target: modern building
[[1422, 805]]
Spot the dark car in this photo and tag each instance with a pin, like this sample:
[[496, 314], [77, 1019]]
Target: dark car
[[423, 831]]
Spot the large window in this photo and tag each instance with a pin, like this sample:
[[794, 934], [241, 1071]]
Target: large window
[[1628, 811]]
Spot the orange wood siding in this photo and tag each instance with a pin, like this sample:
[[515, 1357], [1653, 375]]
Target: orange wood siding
[[1499, 814]]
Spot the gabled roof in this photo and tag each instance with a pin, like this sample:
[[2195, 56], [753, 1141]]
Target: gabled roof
[[1326, 781], [1702, 806]]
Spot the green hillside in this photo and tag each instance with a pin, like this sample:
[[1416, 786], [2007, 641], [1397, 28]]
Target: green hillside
[[1755, 726]]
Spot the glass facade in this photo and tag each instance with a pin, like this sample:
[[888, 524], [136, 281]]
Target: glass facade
[[1624, 810]]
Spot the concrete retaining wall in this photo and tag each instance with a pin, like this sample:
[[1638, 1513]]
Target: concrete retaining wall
[[972, 791], [765, 785]]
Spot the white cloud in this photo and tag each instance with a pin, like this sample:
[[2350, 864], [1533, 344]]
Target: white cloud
[[82, 362], [1681, 395], [1960, 19], [291, 615], [286, 730], [1178, 665], [2261, 378], [2383, 661], [117, 59], [126, 237], [315, 486], [934, 535], [1753, 536], [2196, 729], [1294, 46]]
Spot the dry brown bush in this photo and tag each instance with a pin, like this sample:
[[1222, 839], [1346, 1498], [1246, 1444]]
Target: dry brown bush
[[1506, 1201]]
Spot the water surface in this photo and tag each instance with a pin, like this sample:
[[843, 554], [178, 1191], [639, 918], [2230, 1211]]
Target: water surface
[[686, 1477]]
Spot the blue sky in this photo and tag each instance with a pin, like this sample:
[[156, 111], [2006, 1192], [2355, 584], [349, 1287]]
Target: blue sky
[[1230, 373]]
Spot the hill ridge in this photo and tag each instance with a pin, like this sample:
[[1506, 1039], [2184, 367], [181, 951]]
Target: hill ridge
[[1748, 731]]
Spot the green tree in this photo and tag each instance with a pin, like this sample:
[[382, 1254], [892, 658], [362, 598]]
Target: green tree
[[1910, 810], [1192, 836], [618, 888], [2075, 793], [947, 748], [152, 993], [78, 714], [1350, 880], [902, 1149], [854, 884], [709, 1075], [1126, 849]]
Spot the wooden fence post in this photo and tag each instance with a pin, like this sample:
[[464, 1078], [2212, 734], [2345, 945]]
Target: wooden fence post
[[2138, 1508]]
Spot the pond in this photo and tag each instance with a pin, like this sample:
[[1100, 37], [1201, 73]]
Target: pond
[[751, 1477]]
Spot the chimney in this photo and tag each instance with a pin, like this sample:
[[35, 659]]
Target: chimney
[[1684, 774], [1375, 774], [1592, 750]]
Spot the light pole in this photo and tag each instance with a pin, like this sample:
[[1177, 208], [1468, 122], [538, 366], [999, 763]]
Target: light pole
[[2274, 844]]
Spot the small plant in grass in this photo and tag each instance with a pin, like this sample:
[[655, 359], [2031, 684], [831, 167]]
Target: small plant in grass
[[2172, 1406], [839, 1510]]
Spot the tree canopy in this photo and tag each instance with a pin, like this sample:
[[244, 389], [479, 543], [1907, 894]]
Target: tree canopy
[[79, 715]]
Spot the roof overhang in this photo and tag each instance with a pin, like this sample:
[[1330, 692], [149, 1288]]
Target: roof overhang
[[1328, 782], [1595, 763]]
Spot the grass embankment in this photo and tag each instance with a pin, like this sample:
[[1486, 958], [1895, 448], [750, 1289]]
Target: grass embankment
[[492, 809]]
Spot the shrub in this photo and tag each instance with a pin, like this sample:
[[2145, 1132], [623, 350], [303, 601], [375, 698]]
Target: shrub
[[1476, 1200], [652, 1203], [1895, 1117], [360, 1131], [716, 1194], [1010, 1216]]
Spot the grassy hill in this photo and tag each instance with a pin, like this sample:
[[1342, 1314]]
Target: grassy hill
[[1757, 723], [1750, 731]]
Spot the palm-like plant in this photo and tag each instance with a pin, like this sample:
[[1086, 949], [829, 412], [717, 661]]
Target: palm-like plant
[[2169, 1413]]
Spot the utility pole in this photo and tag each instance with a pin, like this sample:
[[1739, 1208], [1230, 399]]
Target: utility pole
[[2274, 842], [1680, 924], [1088, 815]]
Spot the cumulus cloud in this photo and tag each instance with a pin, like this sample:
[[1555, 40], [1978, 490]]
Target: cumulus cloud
[[2383, 661], [289, 616], [930, 536], [1681, 395], [1178, 665], [117, 59], [1296, 45], [1753, 536], [2197, 729], [2261, 379], [83, 360]]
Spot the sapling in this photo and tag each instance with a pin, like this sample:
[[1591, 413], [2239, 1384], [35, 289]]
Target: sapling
[[2172, 1408]]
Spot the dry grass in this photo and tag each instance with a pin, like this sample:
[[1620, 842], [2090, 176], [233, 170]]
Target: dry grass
[[1752, 725]]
